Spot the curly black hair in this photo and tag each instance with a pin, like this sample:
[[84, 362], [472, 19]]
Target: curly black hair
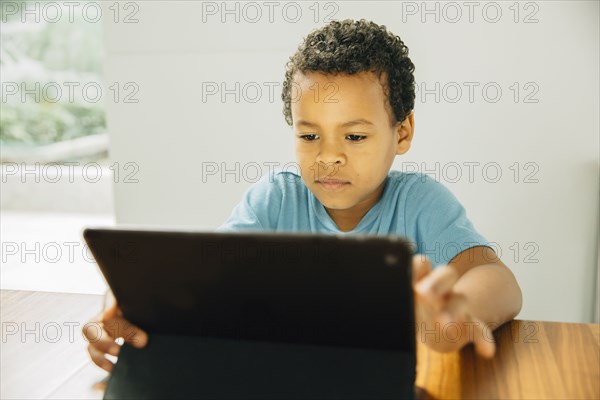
[[350, 47]]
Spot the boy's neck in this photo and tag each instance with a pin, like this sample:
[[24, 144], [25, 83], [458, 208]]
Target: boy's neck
[[346, 220]]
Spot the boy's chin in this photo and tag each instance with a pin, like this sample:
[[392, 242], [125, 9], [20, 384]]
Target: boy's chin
[[335, 204], [333, 200]]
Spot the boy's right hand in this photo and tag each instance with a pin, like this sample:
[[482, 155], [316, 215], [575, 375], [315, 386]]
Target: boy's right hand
[[103, 331]]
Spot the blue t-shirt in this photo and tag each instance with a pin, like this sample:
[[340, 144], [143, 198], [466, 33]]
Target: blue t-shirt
[[412, 205]]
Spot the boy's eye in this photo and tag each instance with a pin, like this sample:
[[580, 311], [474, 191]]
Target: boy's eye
[[356, 138], [309, 138]]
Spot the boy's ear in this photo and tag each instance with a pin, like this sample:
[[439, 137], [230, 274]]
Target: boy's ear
[[405, 131]]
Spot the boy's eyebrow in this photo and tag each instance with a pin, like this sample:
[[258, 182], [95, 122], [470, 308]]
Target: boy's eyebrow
[[360, 121]]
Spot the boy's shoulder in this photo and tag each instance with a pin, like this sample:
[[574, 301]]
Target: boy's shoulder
[[417, 187], [409, 178]]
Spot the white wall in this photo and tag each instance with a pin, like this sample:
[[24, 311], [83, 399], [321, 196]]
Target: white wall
[[171, 131]]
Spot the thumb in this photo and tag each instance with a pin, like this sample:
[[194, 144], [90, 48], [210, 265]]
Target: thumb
[[421, 266], [484, 342], [111, 311]]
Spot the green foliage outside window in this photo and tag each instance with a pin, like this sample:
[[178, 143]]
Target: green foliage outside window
[[40, 57]]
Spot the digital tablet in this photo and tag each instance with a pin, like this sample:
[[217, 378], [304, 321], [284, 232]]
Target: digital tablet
[[265, 302]]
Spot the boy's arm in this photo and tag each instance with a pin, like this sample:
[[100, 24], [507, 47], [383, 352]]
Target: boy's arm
[[476, 292], [488, 286]]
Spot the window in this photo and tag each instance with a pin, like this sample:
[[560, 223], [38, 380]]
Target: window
[[51, 74], [53, 144]]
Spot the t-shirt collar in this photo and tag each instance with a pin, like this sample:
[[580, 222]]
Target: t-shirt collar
[[364, 224]]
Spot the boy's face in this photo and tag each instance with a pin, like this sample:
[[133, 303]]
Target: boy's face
[[345, 143]]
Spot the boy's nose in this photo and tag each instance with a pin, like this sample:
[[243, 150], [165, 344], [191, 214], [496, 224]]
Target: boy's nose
[[330, 155]]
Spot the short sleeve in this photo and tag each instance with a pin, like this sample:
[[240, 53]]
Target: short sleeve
[[258, 209], [439, 222]]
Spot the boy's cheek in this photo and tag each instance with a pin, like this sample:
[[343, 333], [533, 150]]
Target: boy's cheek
[[308, 169]]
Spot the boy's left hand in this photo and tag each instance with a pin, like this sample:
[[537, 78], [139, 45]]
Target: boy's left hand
[[444, 321]]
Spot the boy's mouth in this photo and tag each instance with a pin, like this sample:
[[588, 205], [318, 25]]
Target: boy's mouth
[[333, 185]]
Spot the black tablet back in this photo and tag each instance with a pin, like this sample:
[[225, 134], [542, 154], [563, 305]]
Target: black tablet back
[[261, 315]]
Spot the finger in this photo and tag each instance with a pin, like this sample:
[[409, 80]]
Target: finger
[[105, 313], [456, 309], [99, 359], [111, 312], [484, 342], [99, 338], [421, 266], [437, 284], [107, 344], [119, 327], [93, 331]]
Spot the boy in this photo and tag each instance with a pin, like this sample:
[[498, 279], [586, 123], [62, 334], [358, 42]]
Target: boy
[[349, 95]]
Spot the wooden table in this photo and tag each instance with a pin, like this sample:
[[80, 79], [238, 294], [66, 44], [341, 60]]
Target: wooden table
[[534, 360], [47, 355], [44, 356]]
